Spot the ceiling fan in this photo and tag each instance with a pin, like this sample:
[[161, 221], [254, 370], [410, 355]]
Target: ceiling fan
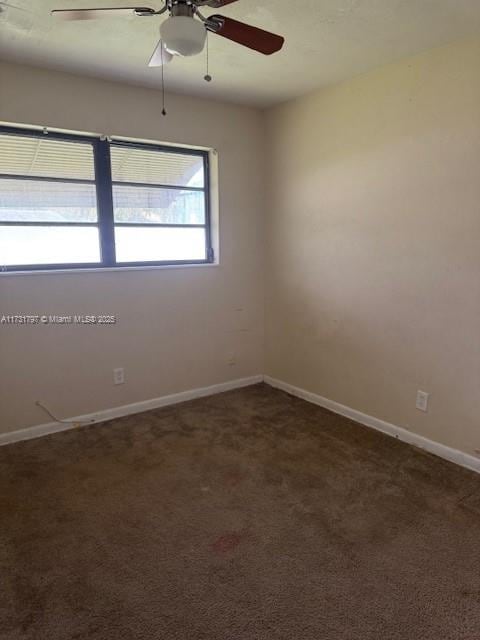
[[185, 31]]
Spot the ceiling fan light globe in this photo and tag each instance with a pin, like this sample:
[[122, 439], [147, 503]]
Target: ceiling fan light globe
[[183, 35]]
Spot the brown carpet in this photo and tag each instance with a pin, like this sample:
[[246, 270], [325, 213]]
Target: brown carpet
[[249, 515]]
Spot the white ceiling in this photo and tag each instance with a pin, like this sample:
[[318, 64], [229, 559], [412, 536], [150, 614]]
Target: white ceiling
[[326, 41]]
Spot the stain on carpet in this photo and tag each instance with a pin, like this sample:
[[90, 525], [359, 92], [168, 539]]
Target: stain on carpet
[[227, 542], [249, 515]]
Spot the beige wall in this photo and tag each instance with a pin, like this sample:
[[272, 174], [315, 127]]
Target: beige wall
[[373, 284], [372, 244], [177, 328]]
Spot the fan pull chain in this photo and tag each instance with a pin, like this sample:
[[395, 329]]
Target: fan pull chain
[[164, 111], [207, 77]]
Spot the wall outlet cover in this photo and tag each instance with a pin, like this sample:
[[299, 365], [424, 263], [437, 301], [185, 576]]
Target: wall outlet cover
[[119, 376], [422, 400]]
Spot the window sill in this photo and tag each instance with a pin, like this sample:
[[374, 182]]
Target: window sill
[[161, 267]]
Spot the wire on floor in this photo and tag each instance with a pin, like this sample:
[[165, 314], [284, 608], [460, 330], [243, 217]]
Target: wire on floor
[[54, 417]]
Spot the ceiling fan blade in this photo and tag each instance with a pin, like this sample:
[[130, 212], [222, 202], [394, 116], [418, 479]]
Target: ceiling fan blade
[[91, 14], [251, 37], [160, 56]]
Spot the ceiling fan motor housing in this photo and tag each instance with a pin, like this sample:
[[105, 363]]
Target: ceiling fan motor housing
[[181, 7]]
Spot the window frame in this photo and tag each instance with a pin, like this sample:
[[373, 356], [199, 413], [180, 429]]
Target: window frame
[[104, 198]]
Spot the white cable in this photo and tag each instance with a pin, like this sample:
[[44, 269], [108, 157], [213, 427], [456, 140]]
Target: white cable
[[54, 417]]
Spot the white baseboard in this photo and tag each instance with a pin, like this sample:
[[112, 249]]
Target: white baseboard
[[125, 410], [441, 450]]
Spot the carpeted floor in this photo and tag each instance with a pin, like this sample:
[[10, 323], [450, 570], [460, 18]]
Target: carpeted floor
[[249, 515]]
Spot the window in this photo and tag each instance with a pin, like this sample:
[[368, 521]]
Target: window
[[71, 201]]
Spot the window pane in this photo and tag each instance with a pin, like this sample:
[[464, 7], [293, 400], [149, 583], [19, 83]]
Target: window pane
[[48, 245], [160, 206], [141, 244], [29, 200], [44, 157], [130, 164]]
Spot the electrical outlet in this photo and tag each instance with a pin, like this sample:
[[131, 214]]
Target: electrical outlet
[[232, 359], [422, 401], [119, 376]]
